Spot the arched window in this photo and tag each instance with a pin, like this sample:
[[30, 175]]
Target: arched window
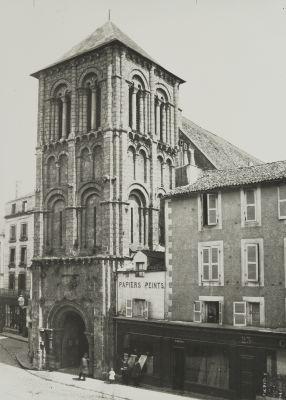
[[137, 105], [92, 213], [51, 172], [131, 162], [160, 171], [162, 116], [58, 225], [142, 167], [161, 221], [92, 106], [85, 165], [97, 162], [63, 164], [137, 220]]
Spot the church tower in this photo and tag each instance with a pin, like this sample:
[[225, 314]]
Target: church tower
[[108, 122]]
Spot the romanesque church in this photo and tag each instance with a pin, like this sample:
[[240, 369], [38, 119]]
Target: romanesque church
[[111, 142]]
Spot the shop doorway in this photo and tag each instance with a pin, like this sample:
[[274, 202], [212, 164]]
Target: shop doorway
[[74, 342], [248, 374], [178, 368]]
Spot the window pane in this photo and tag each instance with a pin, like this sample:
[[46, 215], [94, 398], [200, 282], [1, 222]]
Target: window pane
[[250, 198], [252, 272], [197, 306], [239, 319], [252, 253], [282, 192], [250, 213], [212, 217], [215, 271], [212, 200], [206, 256], [239, 308], [282, 208]]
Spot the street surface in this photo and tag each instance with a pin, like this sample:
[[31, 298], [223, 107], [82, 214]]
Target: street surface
[[17, 383]]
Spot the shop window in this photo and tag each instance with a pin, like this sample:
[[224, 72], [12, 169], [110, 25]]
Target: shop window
[[211, 263], [138, 308], [207, 366], [208, 311], [12, 233], [249, 312], [140, 270], [24, 231], [11, 316], [250, 206], [252, 262]]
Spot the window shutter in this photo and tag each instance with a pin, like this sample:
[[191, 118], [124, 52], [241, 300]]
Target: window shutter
[[146, 310], [252, 262], [212, 208], [128, 308], [214, 263], [220, 312], [250, 205], [206, 264], [282, 201], [198, 311], [239, 313]]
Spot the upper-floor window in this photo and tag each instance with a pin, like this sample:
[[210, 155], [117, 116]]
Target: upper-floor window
[[22, 281], [208, 309], [139, 270], [137, 308], [24, 231], [12, 255], [12, 233], [250, 206], [24, 206], [12, 281], [282, 201], [249, 312], [210, 256], [23, 255], [13, 208], [209, 210], [252, 262]]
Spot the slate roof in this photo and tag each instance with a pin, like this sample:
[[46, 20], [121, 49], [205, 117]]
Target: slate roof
[[102, 36], [218, 151], [215, 179]]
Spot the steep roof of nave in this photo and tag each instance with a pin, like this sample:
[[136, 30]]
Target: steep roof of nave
[[221, 153], [103, 36]]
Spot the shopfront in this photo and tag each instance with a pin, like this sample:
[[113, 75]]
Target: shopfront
[[229, 363]]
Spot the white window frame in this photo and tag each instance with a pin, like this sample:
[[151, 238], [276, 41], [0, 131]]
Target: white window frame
[[257, 204], [279, 202], [199, 315], [218, 224], [246, 300], [129, 303], [244, 271], [217, 282]]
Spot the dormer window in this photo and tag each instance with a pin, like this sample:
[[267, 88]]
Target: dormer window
[[139, 270], [13, 208]]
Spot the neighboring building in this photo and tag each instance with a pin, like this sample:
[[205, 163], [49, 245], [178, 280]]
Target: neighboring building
[[108, 143], [226, 280], [18, 251], [2, 246]]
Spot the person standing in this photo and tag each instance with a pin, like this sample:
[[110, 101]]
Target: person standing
[[136, 372], [83, 370], [125, 370]]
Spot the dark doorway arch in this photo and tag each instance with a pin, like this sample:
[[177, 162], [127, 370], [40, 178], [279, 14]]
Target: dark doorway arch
[[74, 342]]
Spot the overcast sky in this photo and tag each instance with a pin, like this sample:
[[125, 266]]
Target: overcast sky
[[232, 54]]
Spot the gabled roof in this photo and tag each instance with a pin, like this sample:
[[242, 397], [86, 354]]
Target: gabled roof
[[216, 179], [220, 153], [102, 36]]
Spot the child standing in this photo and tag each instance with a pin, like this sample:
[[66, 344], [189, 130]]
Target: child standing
[[111, 376]]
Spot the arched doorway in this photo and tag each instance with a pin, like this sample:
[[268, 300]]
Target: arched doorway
[[74, 343]]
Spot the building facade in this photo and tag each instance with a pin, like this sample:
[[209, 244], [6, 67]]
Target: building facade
[[17, 253], [109, 139], [225, 263]]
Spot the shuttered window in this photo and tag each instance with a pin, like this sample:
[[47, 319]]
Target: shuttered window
[[282, 201]]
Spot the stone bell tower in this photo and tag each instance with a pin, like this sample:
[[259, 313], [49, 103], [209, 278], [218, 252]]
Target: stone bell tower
[[108, 123]]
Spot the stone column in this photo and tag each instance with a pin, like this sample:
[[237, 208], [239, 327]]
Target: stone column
[[134, 93], [163, 110], [167, 123], [64, 117], [93, 108], [141, 112], [158, 118], [52, 120], [57, 136]]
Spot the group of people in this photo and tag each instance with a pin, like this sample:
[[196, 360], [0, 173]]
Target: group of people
[[129, 373]]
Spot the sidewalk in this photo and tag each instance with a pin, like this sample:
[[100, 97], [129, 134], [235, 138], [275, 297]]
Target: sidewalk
[[103, 390]]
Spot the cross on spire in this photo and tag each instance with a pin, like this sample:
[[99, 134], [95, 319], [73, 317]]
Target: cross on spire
[[109, 15]]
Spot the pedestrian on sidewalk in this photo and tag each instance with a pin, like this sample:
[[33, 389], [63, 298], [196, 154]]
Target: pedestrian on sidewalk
[[111, 376], [83, 369], [136, 372], [125, 371]]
